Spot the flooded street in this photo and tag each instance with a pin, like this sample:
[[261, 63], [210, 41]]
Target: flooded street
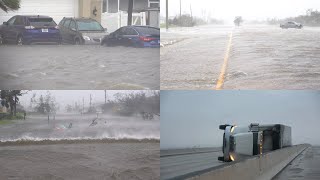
[[99, 161], [75, 146], [261, 57], [79, 127], [78, 67]]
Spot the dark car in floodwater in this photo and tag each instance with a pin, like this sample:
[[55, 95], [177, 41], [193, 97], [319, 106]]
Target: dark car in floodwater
[[30, 29], [291, 24], [136, 36], [81, 31]]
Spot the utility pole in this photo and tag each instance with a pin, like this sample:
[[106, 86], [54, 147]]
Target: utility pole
[[90, 100], [130, 9], [180, 10], [105, 96], [167, 15]]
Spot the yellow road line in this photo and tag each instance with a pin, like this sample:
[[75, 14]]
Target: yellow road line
[[224, 66]]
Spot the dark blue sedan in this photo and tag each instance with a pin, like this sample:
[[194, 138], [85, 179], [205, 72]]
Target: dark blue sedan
[[136, 36], [30, 29]]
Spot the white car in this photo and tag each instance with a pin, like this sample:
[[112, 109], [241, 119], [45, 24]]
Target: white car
[[291, 24]]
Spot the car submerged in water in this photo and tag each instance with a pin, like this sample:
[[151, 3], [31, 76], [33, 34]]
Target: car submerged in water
[[291, 24], [81, 31], [29, 29], [135, 36]]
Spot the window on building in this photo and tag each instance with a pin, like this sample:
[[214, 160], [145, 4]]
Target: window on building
[[154, 3], [112, 6]]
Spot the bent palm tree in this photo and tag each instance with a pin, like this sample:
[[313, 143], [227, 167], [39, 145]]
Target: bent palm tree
[[9, 5]]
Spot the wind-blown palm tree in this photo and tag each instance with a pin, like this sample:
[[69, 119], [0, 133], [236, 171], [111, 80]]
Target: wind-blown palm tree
[[9, 5]]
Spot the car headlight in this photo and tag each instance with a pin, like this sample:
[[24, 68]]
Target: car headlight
[[87, 38]]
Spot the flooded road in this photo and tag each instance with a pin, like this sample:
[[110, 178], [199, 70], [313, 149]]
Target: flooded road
[[188, 162], [78, 67], [77, 127], [305, 166], [261, 57], [99, 161], [74, 146]]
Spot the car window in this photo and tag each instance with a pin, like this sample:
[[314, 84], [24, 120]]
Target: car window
[[148, 30], [87, 25], [61, 22], [38, 22], [18, 21], [11, 21], [130, 31], [66, 23], [73, 25]]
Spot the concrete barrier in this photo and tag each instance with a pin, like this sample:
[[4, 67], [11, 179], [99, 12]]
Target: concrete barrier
[[259, 167]]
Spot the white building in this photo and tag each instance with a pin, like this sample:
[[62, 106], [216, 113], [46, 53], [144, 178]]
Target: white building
[[111, 13]]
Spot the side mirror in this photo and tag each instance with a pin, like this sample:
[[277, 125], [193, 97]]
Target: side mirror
[[5, 23]]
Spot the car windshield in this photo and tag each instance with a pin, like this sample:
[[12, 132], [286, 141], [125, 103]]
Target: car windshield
[[42, 22], [148, 30], [89, 26]]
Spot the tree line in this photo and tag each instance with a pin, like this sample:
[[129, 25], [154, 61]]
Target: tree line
[[311, 18]]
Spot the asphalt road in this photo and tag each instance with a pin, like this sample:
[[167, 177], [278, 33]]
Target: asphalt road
[[178, 163], [260, 57], [78, 67]]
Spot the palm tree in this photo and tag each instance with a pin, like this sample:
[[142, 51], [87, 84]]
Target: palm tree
[[9, 5]]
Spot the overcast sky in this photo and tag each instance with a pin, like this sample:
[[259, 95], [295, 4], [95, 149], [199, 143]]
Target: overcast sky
[[192, 118], [248, 9]]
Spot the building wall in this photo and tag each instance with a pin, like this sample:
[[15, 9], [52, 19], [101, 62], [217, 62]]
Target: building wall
[[86, 8]]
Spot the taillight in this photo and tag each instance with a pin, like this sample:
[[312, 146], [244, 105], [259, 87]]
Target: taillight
[[29, 27], [142, 38]]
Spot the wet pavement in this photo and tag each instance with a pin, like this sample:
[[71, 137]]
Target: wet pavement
[[304, 166], [261, 57], [78, 67], [179, 163]]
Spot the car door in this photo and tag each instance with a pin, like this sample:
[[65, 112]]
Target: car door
[[18, 27], [7, 30], [72, 31], [116, 37], [130, 36], [64, 31]]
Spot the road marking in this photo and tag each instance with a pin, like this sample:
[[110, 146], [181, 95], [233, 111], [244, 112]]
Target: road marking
[[224, 66]]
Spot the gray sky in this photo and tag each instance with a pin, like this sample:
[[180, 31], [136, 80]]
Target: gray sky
[[248, 9], [192, 118], [65, 97]]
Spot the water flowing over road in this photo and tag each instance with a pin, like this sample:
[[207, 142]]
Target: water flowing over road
[[78, 67], [260, 57]]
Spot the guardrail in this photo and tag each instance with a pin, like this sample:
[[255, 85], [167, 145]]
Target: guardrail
[[264, 166]]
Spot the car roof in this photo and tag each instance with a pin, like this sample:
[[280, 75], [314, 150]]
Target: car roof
[[34, 16], [142, 26], [79, 19]]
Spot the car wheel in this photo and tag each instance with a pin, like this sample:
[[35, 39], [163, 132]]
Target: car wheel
[[77, 41], [20, 40]]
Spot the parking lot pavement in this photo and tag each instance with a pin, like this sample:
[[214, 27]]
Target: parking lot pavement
[[78, 67], [260, 57]]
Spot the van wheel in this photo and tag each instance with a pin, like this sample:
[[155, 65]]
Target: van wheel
[[20, 41]]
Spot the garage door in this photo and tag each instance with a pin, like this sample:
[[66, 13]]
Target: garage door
[[57, 9]]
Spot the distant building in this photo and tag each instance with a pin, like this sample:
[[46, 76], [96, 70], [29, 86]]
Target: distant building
[[111, 13]]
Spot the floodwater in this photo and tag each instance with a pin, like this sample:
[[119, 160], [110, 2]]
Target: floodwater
[[304, 166], [261, 57], [183, 163], [78, 67], [77, 127], [74, 146], [96, 161]]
